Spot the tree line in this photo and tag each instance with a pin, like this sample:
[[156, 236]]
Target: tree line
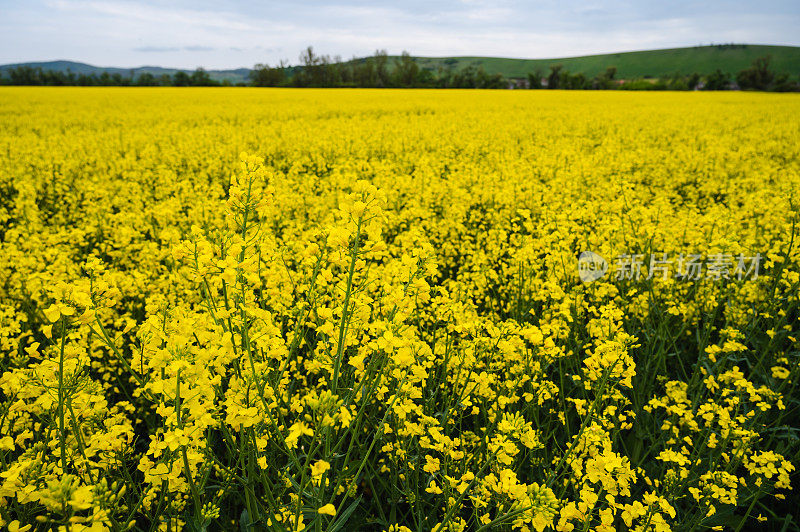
[[28, 75], [380, 71], [376, 71], [759, 76]]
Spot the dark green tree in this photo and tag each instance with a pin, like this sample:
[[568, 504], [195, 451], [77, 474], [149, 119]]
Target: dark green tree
[[535, 79], [573, 81], [717, 81], [554, 79], [758, 76], [382, 68], [181, 79], [784, 84], [605, 80], [201, 78], [264, 75], [692, 81], [406, 71], [146, 79]]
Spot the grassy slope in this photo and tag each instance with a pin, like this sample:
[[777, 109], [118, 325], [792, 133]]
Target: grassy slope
[[702, 59], [655, 63]]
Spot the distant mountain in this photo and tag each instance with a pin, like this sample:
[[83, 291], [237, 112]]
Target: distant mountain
[[234, 76], [729, 58]]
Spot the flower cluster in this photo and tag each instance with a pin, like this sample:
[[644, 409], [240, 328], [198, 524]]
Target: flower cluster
[[371, 319]]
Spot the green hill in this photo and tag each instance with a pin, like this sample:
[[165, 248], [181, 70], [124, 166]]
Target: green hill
[[651, 63], [729, 58]]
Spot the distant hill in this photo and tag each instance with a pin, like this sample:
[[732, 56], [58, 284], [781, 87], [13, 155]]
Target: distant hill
[[234, 76], [651, 63]]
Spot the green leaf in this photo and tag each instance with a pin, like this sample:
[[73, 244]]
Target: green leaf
[[341, 520], [244, 521]]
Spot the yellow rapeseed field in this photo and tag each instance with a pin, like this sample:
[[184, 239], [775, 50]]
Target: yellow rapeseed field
[[336, 310]]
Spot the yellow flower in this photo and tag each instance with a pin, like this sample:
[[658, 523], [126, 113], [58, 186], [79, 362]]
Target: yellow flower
[[56, 310], [780, 372], [319, 468], [328, 509], [431, 464], [433, 488]]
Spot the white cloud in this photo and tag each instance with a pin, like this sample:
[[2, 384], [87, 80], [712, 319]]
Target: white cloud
[[189, 33]]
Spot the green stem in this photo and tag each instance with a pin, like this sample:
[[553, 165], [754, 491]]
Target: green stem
[[61, 398], [343, 324]]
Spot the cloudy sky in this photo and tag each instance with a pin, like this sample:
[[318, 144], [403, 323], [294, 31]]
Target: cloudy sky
[[216, 34]]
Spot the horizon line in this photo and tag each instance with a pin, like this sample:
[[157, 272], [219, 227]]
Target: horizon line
[[21, 63]]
